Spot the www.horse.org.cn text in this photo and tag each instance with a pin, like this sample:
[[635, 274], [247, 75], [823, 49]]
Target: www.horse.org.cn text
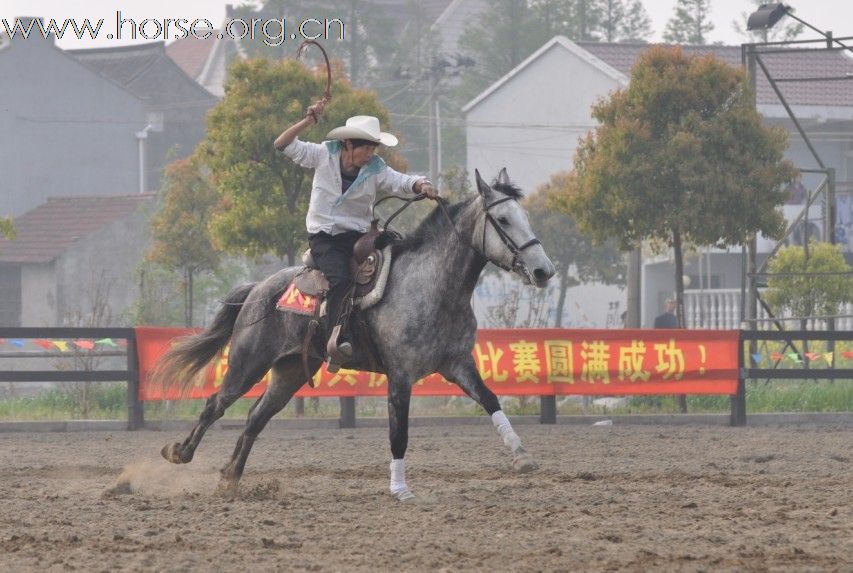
[[270, 31]]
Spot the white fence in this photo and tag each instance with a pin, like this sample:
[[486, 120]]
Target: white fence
[[720, 309]]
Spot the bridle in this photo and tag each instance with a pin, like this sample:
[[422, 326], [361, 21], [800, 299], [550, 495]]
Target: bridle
[[508, 241], [503, 236]]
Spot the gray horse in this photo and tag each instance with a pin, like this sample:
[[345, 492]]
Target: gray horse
[[423, 324]]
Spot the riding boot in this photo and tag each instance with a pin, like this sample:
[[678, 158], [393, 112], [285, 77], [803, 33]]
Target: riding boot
[[339, 349]]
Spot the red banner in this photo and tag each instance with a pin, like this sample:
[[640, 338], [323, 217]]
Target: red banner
[[535, 362]]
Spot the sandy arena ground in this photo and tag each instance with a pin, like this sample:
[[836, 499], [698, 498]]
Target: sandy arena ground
[[632, 498]]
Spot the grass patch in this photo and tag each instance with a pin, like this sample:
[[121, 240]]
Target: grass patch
[[108, 402]]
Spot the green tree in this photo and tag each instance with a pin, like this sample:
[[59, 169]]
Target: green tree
[[577, 258], [680, 155], [368, 33], [624, 20], [636, 25], [781, 32], [690, 24], [797, 285], [7, 229], [265, 194], [181, 239]]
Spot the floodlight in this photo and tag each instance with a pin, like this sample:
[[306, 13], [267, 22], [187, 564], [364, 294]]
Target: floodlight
[[766, 16]]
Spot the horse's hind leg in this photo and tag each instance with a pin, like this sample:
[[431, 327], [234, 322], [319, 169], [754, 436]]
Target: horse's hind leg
[[464, 373], [288, 376], [241, 376]]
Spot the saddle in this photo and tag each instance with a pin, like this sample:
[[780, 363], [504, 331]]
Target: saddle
[[306, 293]]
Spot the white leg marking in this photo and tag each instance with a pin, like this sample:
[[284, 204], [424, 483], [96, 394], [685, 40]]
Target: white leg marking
[[398, 487]]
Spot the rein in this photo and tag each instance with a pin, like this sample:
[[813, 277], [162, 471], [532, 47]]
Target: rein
[[508, 242]]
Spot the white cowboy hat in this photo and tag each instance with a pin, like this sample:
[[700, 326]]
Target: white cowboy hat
[[363, 127]]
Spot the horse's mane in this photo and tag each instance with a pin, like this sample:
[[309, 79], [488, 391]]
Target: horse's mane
[[509, 190], [429, 228]]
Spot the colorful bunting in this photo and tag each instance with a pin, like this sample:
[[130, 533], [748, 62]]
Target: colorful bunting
[[62, 345], [828, 357], [2, 341], [757, 357], [777, 356], [795, 357], [46, 344], [17, 342], [106, 342], [84, 344], [848, 354]]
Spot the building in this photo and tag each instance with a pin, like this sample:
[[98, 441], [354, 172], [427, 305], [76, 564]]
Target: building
[[74, 257], [81, 122], [565, 78]]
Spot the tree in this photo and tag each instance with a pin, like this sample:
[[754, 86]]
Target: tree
[[691, 22], [577, 258], [621, 21], [366, 38], [797, 285], [505, 35], [778, 33], [265, 194], [680, 155], [181, 238], [636, 24], [7, 229]]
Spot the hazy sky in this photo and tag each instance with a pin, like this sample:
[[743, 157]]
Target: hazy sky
[[836, 15]]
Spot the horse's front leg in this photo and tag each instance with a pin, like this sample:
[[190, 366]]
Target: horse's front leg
[[464, 373], [399, 397]]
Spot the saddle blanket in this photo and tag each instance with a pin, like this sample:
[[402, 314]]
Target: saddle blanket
[[367, 295], [294, 300]]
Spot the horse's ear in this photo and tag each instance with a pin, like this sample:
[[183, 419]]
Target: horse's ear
[[482, 187], [503, 178]]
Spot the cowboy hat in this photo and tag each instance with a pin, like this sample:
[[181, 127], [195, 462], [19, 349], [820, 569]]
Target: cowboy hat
[[363, 127]]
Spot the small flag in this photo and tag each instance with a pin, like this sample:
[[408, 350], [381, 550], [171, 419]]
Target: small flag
[[848, 354], [107, 342], [777, 356], [813, 355], [46, 344], [17, 342], [828, 357], [2, 341], [794, 356], [62, 345], [757, 357], [84, 344]]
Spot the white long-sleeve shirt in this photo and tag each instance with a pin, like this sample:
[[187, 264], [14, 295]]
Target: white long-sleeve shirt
[[331, 211]]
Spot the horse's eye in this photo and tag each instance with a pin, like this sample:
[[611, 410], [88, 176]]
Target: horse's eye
[[503, 221]]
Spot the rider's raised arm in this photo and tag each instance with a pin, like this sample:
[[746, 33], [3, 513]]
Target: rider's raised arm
[[289, 135]]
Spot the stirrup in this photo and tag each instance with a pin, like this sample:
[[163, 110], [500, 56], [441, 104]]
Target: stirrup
[[337, 354]]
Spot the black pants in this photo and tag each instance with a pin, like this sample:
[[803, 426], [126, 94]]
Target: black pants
[[332, 255]]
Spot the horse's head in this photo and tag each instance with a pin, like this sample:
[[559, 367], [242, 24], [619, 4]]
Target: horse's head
[[503, 234]]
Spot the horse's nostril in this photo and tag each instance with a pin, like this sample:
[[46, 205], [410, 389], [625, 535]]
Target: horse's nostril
[[541, 275]]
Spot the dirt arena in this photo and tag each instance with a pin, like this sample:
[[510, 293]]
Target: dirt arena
[[633, 498]]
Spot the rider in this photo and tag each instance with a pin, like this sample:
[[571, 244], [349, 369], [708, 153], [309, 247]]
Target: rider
[[347, 174]]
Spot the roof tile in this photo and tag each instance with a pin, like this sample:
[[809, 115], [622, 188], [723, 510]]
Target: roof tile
[[51, 228]]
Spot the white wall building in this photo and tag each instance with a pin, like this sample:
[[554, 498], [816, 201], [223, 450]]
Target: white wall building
[[530, 121]]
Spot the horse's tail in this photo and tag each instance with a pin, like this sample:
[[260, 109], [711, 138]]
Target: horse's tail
[[188, 356]]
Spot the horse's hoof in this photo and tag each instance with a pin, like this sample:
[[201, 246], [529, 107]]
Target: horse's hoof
[[227, 488], [172, 453], [522, 462], [404, 495]]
